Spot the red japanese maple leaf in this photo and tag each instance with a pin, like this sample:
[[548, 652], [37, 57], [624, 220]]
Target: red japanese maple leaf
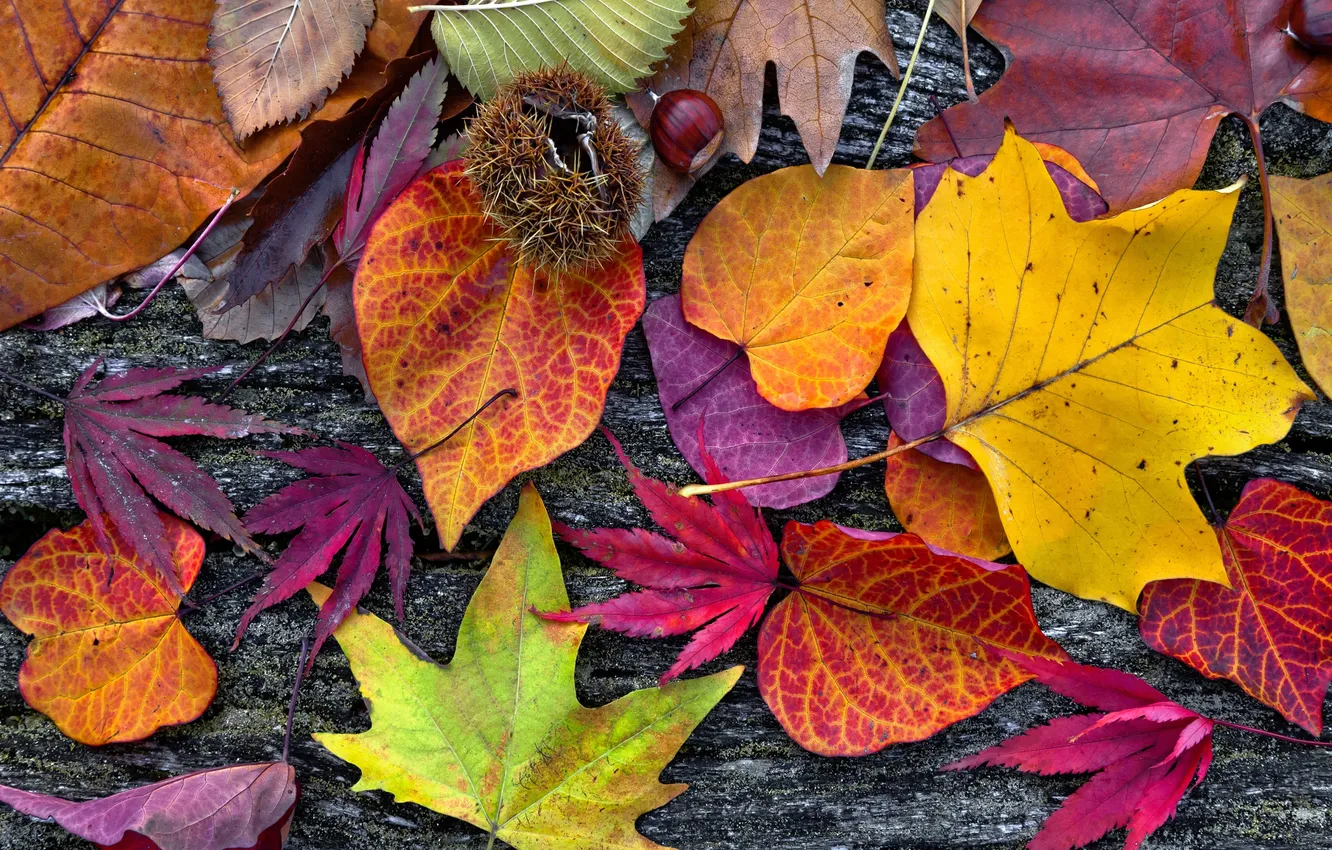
[[1145, 750], [115, 461], [1270, 632], [351, 501], [718, 567]]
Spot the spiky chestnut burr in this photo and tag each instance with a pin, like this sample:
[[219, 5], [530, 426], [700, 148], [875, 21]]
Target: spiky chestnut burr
[[554, 169]]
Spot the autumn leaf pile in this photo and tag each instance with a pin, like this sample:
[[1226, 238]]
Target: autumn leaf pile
[[1032, 306]]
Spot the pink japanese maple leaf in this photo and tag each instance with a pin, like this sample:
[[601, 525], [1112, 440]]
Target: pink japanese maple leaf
[[116, 462], [714, 572], [353, 501], [240, 807], [1144, 750]]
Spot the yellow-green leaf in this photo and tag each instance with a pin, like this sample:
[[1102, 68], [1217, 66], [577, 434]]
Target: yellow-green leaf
[[497, 737], [1086, 365], [615, 42]]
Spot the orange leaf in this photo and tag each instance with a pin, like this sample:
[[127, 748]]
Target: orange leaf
[[448, 318], [947, 504], [111, 661], [115, 148], [888, 641], [809, 275]]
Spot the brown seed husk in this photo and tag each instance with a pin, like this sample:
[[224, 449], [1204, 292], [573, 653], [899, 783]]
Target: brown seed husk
[[556, 218]]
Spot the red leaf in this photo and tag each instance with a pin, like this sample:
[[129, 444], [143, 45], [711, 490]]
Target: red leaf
[[394, 159], [243, 807], [888, 640], [718, 568], [1271, 632], [113, 458], [351, 501], [1146, 754]]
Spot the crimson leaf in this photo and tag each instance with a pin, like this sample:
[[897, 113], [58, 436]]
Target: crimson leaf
[[113, 457], [351, 501], [716, 573], [1145, 750]]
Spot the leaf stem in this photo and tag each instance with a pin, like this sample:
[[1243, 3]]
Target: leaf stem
[[966, 56], [1287, 738], [300, 311], [5, 376], [1261, 309], [461, 425], [231, 199], [1202, 482], [715, 372], [706, 489], [295, 695], [901, 90], [191, 605], [478, 555]]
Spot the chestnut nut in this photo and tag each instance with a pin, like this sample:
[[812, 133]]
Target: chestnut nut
[[686, 129]]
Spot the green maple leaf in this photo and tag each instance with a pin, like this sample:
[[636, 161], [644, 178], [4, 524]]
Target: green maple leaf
[[497, 737]]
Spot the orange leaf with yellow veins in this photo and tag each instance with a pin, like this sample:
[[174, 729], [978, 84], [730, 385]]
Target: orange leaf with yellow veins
[[116, 147], [111, 661], [947, 504], [889, 640], [809, 275], [448, 318]]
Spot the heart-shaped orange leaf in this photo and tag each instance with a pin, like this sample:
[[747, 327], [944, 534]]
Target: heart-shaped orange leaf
[[809, 275], [448, 318], [111, 661]]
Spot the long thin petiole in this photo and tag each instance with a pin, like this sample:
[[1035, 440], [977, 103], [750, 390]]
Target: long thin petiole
[[901, 90], [231, 199], [706, 489], [1266, 734], [5, 376], [966, 55], [295, 695], [461, 425], [1261, 301]]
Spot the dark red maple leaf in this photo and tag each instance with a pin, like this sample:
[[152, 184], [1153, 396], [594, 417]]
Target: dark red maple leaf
[[1145, 750], [716, 570], [113, 457], [351, 501]]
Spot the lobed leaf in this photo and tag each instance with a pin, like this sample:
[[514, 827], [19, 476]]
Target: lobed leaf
[[1303, 213], [1079, 382], [497, 737]]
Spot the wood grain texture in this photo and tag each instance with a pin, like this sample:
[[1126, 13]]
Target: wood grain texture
[[750, 786]]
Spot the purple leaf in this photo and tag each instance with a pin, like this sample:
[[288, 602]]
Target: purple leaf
[[747, 436], [225, 807], [97, 300], [395, 157], [1082, 201], [115, 461], [914, 397], [352, 501]]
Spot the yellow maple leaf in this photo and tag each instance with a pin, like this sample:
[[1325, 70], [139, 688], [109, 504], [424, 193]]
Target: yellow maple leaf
[[1086, 365]]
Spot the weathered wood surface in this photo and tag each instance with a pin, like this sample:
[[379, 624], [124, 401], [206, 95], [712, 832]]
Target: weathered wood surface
[[751, 787]]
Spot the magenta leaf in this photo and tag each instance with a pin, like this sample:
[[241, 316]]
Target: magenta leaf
[[748, 437], [218, 809], [351, 501], [716, 570], [115, 463], [1146, 753], [404, 141]]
